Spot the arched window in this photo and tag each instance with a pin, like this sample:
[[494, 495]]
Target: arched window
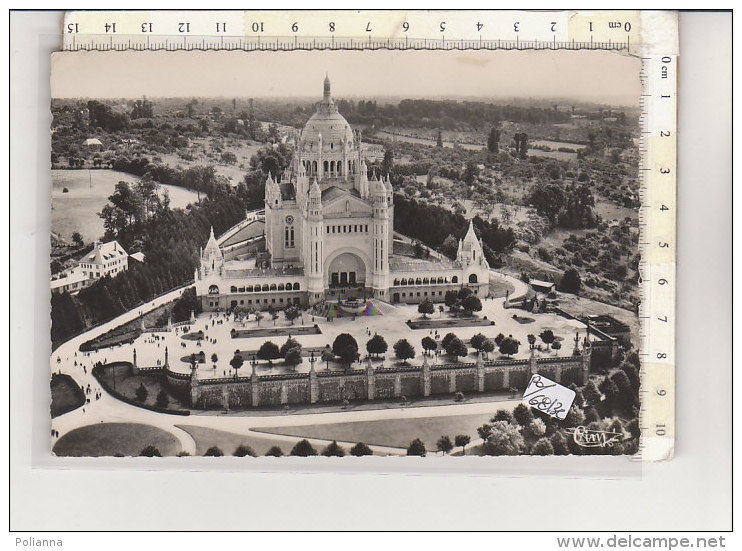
[[327, 166], [280, 287], [339, 168], [426, 281], [273, 287], [473, 278], [440, 280], [296, 286], [213, 290], [418, 281], [396, 282], [265, 287], [248, 289], [455, 279], [314, 167], [233, 289]]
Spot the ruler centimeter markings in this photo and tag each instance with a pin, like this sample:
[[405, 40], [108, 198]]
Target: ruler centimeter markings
[[649, 35]]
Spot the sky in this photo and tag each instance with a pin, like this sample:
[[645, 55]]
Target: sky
[[602, 77]]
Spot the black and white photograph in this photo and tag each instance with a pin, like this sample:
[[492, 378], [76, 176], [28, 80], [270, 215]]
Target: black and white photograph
[[342, 253]]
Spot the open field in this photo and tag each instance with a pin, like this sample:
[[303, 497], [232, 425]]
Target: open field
[[107, 439], [77, 210], [391, 432], [228, 441]]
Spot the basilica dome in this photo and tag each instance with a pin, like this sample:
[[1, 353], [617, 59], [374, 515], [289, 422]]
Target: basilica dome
[[328, 123]]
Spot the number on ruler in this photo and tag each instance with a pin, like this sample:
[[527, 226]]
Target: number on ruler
[[110, 27], [659, 429], [516, 26], [72, 28], [405, 26], [479, 26], [147, 27], [184, 27], [332, 26]]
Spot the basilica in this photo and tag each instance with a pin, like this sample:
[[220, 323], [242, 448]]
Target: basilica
[[327, 231]]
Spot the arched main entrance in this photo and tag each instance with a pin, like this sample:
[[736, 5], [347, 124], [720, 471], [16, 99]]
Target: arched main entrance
[[346, 270]]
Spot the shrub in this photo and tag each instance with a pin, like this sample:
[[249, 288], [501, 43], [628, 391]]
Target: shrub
[[243, 450], [504, 439], [275, 451], [141, 393], [360, 449], [150, 451], [333, 450], [214, 451], [417, 447], [542, 447], [523, 415], [303, 449]]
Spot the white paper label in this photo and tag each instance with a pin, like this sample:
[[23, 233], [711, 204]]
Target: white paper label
[[545, 395]]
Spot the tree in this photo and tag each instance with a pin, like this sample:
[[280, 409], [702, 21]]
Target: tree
[[523, 415], [429, 344], [450, 246], [258, 316], [556, 345], [471, 304], [213, 451], [236, 362], [471, 171], [293, 357], [447, 340], [376, 345], [291, 312], [477, 341], [403, 350], [162, 399], [542, 446], [444, 445], [288, 345], [426, 307], [303, 449], [346, 347], [275, 451], [488, 346], [493, 141], [456, 348], [387, 164], [509, 346], [150, 451], [243, 450], [531, 340], [439, 139], [547, 336], [504, 439], [570, 282], [77, 239], [559, 444], [360, 449], [327, 357], [462, 440], [269, 351], [503, 415], [141, 393], [451, 299], [214, 358], [333, 450], [417, 448]]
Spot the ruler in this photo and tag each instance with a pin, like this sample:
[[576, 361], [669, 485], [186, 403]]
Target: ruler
[[649, 35]]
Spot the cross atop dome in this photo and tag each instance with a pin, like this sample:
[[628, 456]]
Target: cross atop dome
[[328, 96]]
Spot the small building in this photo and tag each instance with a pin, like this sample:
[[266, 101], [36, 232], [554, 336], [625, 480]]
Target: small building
[[93, 144], [139, 257], [71, 282], [545, 287], [105, 259], [610, 326]]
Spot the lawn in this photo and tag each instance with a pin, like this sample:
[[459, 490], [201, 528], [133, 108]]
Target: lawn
[[446, 323], [66, 395], [500, 288], [228, 441], [393, 432], [106, 439]]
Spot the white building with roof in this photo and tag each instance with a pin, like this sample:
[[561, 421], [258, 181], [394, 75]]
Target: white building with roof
[[106, 259], [328, 228]]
